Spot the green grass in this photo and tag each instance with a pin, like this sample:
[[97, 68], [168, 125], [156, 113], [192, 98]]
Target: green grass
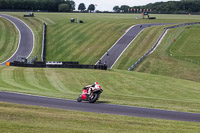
[[23, 118], [120, 87], [86, 42], [9, 39], [36, 26], [187, 45], [143, 43], [178, 59]]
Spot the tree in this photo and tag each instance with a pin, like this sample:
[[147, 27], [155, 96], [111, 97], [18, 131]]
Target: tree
[[63, 8], [124, 8], [81, 7], [116, 9], [71, 4], [91, 8]]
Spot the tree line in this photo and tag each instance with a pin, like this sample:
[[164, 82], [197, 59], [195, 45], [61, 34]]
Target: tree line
[[44, 5], [35, 5], [82, 7], [170, 7]]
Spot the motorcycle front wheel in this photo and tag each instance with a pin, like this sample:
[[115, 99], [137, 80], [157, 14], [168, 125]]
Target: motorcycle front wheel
[[79, 99], [93, 98]]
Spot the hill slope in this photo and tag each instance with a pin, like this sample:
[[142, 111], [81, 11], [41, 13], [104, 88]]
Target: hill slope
[[180, 59], [120, 87]]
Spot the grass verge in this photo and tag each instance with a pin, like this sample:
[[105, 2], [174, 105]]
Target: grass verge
[[22, 118], [9, 39]]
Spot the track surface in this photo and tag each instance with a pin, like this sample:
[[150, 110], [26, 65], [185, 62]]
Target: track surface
[[26, 42], [97, 107], [120, 46]]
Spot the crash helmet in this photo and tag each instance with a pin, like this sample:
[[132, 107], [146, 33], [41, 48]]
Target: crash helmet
[[96, 83]]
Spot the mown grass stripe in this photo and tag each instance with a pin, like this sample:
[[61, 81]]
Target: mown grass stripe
[[96, 40], [99, 41], [12, 79], [42, 79], [9, 39], [74, 44], [3, 83], [2, 34], [34, 80]]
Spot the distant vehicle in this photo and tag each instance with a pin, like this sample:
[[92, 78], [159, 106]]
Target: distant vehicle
[[90, 93], [30, 14]]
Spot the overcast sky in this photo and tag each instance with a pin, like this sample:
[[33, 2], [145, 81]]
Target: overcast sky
[[107, 5]]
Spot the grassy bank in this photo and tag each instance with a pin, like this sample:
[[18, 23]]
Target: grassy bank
[[180, 59], [86, 42], [9, 39], [21, 118], [120, 87], [187, 45]]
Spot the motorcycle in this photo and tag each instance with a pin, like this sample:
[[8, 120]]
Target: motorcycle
[[93, 96]]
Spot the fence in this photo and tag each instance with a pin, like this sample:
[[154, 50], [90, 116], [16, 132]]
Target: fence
[[43, 55], [58, 65], [156, 44]]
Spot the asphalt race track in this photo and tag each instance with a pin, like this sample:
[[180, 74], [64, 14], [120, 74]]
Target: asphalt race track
[[97, 107], [113, 54], [26, 40]]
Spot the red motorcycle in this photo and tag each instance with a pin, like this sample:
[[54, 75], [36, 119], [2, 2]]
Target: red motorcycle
[[90, 93]]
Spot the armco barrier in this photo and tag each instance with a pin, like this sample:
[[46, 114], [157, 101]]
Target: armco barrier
[[155, 45], [101, 67], [43, 55], [57, 65]]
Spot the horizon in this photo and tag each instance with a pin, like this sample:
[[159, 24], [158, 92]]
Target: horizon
[[105, 5]]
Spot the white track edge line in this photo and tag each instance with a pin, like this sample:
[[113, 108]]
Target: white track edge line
[[29, 29], [126, 48], [116, 42], [20, 93], [18, 42]]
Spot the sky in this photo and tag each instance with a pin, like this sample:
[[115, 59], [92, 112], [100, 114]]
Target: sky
[[107, 5]]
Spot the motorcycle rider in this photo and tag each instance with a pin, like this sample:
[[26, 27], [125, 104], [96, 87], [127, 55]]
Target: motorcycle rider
[[93, 87]]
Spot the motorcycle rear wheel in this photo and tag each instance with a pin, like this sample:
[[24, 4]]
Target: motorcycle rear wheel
[[93, 98]]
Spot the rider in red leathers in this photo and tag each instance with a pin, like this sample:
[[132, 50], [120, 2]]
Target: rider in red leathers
[[90, 93], [93, 87]]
